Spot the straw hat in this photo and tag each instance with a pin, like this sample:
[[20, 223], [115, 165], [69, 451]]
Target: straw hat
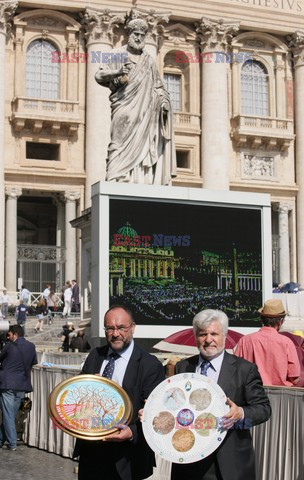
[[272, 308]]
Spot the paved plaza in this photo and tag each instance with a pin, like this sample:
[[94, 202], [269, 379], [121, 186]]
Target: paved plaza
[[28, 463]]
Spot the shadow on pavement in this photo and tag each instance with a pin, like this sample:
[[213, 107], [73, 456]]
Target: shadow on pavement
[[28, 463]]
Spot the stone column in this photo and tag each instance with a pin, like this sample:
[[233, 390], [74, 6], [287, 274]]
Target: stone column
[[7, 10], [60, 239], [11, 238], [154, 19], [72, 68], [99, 32], [284, 255], [280, 87], [70, 234], [214, 38], [297, 46], [236, 83]]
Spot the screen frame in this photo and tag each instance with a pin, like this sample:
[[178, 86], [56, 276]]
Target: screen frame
[[103, 192]]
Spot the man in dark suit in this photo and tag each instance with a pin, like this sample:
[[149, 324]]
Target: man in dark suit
[[75, 296], [124, 455], [249, 405], [17, 358]]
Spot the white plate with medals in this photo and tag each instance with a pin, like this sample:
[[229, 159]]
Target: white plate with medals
[[182, 420]]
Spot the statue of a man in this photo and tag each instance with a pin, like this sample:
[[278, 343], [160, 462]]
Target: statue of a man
[[142, 148]]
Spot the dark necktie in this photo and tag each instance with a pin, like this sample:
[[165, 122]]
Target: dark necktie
[[109, 369], [204, 367]]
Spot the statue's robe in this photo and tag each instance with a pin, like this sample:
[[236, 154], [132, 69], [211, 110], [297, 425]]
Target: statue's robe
[[142, 148]]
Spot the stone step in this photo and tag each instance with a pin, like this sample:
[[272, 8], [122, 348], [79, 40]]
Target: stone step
[[50, 338]]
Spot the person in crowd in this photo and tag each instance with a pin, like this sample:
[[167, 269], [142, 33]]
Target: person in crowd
[[17, 359], [75, 296], [80, 343], [21, 312], [275, 288], [45, 294], [25, 295], [123, 455], [40, 313], [248, 402], [5, 301], [51, 306], [67, 294], [4, 339], [68, 329], [275, 355]]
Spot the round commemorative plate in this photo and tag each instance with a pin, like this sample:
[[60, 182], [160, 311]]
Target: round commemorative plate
[[182, 418], [89, 406]]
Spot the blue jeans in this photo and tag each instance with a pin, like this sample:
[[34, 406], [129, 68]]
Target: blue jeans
[[9, 403]]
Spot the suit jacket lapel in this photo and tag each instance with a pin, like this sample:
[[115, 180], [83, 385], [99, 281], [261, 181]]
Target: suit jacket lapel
[[192, 364], [227, 371], [102, 355], [131, 372]]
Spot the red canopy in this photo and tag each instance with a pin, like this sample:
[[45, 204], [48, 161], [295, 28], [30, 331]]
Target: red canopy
[[184, 341]]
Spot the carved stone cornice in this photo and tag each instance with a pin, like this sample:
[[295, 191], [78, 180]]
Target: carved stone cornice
[[71, 196], [100, 25], [296, 44], [13, 192], [215, 35], [7, 10], [154, 19]]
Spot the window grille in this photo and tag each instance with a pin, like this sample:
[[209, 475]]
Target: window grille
[[254, 89], [173, 86], [42, 75]]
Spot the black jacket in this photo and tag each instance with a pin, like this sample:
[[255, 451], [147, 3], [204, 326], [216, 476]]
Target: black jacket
[[134, 460], [16, 359]]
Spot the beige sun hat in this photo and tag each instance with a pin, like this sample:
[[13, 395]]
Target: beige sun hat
[[273, 308]]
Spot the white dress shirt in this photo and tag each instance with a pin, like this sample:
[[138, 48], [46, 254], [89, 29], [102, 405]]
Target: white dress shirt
[[121, 363], [213, 372]]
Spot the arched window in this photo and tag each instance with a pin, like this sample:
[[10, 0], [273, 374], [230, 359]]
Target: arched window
[[254, 89], [42, 75], [177, 79]]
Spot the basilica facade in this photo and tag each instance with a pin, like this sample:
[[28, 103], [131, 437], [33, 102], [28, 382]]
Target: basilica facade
[[235, 73]]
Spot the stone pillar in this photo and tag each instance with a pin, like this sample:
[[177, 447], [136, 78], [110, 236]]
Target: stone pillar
[[60, 227], [236, 83], [280, 87], [70, 234], [60, 239], [214, 38], [7, 10], [284, 255], [72, 68], [99, 28], [11, 238], [297, 46], [154, 19]]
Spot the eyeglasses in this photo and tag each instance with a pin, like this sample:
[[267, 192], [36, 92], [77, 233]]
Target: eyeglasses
[[120, 329]]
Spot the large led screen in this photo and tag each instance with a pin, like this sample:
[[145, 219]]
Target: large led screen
[[169, 260]]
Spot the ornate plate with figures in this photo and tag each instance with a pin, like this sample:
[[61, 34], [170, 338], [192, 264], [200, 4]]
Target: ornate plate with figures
[[89, 406], [182, 420]]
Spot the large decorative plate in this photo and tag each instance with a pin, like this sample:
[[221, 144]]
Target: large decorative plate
[[182, 418], [89, 406]]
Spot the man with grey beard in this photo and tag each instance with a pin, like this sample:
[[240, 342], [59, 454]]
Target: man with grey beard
[[142, 146]]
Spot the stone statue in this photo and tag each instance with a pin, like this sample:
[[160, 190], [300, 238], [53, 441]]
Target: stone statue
[[142, 148]]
